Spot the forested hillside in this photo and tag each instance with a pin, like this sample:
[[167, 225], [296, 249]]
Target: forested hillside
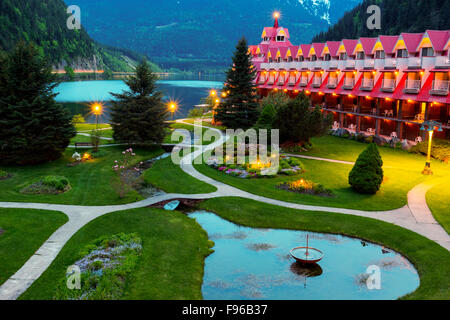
[[397, 16], [45, 24]]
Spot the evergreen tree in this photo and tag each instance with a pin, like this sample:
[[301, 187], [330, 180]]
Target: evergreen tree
[[33, 127], [266, 118], [139, 115], [239, 110], [367, 174], [298, 123]]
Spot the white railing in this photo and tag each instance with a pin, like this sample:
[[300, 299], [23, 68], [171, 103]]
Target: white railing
[[304, 81], [413, 85], [342, 64], [367, 83], [349, 83], [332, 82], [369, 63], [271, 79], [317, 82], [350, 64], [359, 64], [281, 80], [334, 64], [292, 80], [390, 63], [442, 61], [388, 84], [441, 85], [415, 62], [262, 80], [379, 64]]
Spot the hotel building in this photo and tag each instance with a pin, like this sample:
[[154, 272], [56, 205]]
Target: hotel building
[[385, 86]]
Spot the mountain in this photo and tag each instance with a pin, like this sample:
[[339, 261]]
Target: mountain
[[45, 24], [397, 16], [201, 34]]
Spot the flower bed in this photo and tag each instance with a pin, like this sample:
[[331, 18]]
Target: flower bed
[[287, 166], [48, 185], [105, 266], [307, 187]]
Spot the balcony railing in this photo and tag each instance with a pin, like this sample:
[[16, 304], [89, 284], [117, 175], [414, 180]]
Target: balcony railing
[[414, 62], [350, 64], [388, 85], [412, 86], [442, 61], [334, 64], [369, 63], [440, 87], [281, 80], [317, 82], [390, 63], [271, 80], [349, 83], [332, 82], [304, 81], [262, 80], [367, 84], [292, 80]]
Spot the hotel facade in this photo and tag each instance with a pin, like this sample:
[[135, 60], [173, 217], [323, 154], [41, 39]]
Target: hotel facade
[[386, 86]]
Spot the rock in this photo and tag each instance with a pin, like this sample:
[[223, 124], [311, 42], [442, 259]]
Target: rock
[[380, 140], [406, 145]]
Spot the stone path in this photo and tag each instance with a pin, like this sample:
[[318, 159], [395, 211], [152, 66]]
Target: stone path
[[416, 217]]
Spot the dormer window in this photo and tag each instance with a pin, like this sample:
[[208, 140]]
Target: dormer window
[[380, 54], [301, 58], [280, 38], [343, 56], [313, 57], [266, 39], [402, 53], [289, 59], [327, 57], [427, 52], [360, 55]]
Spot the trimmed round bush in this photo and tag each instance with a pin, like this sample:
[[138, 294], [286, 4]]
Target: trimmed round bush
[[367, 174], [57, 182]]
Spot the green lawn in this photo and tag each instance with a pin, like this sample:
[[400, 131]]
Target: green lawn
[[24, 231], [188, 127], [174, 248], [88, 127], [92, 182], [430, 259], [438, 199], [167, 176]]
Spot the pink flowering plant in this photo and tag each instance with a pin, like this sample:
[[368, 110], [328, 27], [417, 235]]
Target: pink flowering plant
[[121, 167]]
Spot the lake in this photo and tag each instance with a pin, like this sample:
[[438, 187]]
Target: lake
[[251, 263], [186, 92]]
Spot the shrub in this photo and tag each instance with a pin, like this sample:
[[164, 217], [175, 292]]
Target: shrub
[[57, 182], [369, 139], [367, 174], [3, 174], [95, 139], [78, 119], [266, 118], [196, 113], [440, 149]]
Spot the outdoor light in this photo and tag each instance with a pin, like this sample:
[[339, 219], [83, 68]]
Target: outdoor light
[[213, 93], [97, 110], [430, 126], [276, 15], [172, 106]]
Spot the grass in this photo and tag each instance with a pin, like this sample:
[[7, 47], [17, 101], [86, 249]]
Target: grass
[[171, 267], [430, 259], [438, 201], [24, 231], [92, 181], [183, 126], [88, 127], [167, 176]]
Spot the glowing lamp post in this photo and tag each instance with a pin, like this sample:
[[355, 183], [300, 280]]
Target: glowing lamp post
[[172, 108], [97, 110], [430, 126]]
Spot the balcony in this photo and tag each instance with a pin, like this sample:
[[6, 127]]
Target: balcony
[[440, 88], [317, 82], [342, 64], [388, 85], [304, 81], [351, 64], [281, 80], [369, 64], [414, 63], [271, 80], [349, 83], [442, 62], [333, 64], [262, 80], [359, 64], [412, 86], [390, 63], [332, 83], [367, 85]]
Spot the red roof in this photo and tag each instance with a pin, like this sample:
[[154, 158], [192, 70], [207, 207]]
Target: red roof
[[376, 93], [333, 47], [305, 49], [318, 48], [412, 41], [388, 43], [438, 39], [368, 44], [349, 45]]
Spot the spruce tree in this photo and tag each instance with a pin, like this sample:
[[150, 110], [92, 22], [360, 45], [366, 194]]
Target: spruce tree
[[239, 110], [367, 174], [33, 127], [139, 115]]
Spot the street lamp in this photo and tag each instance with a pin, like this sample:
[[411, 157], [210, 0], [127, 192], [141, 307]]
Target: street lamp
[[430, 126], [172, 106], [97, 110]]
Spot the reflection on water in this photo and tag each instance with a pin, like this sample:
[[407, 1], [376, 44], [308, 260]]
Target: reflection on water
[[255, 264], [186, 92]]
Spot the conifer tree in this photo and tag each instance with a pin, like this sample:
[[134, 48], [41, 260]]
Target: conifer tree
[[367, 173], [239, 110], [33, 127], [139, 115]]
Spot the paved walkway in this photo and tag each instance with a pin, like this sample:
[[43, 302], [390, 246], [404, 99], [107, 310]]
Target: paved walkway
[[415, 217]]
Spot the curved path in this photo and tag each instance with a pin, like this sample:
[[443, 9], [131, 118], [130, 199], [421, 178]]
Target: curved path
[[416, 217]]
